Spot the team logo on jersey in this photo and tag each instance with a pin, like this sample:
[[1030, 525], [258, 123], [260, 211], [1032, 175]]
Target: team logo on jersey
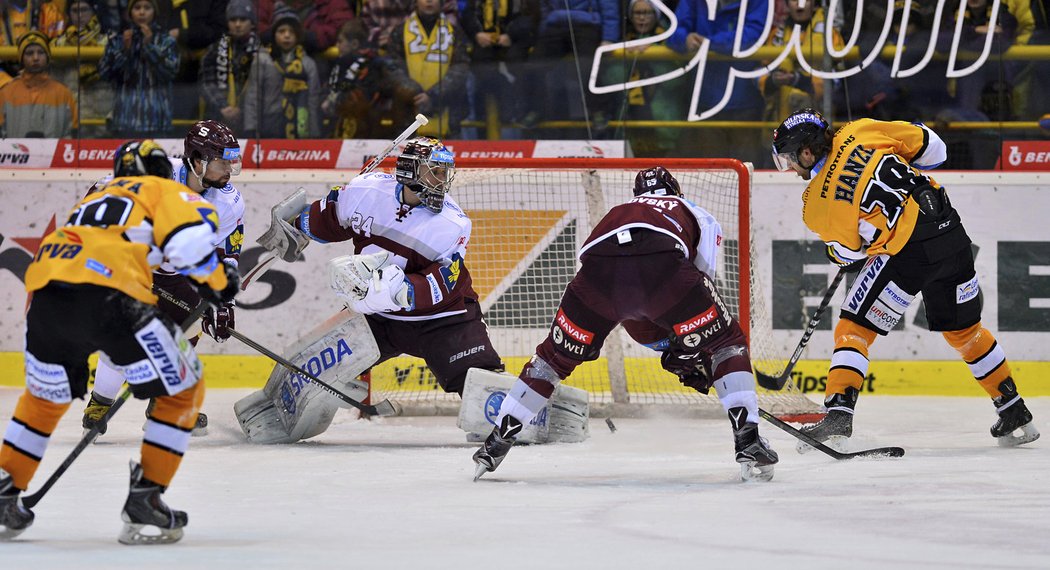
[[234, 241], [492, 406], [451, 273]]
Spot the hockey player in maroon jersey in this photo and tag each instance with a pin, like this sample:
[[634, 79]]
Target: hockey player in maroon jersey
[[876, 212], [650, 264]]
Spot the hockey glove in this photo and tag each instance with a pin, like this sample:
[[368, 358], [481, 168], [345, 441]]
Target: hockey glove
[[217, 323], [932, 201], [689, 369], [225, 296], [388, 291]]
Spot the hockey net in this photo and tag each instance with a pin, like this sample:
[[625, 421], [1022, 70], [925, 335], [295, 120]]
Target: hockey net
[[530, 217]]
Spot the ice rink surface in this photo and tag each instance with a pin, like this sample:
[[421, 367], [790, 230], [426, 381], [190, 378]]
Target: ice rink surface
[[398, 493]]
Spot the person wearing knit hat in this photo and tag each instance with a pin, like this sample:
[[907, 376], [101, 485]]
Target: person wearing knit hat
[[241, 9], [285, 15], [34, 105]]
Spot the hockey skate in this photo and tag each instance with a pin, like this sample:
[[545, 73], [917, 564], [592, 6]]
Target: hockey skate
[[93, 413], [837, 426], [147, 519], [753, 453], [1013, 416], [14, 517], [496, 446]]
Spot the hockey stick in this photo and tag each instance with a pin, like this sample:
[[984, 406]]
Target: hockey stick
[[776, 383], [384, 408], [264, 264], [875, 452], [31, 500]]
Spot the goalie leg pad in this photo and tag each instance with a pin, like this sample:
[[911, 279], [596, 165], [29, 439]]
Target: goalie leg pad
[[292, 407], [281, 237], [563, 419]]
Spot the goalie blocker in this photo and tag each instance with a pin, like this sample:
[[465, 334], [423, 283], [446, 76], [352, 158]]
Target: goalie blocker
[[562, 420], [290, 408]]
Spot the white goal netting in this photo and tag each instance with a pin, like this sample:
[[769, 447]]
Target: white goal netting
[[529, 219]]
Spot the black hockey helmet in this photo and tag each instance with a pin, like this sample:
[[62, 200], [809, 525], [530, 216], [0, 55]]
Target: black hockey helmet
[[656, 180], [805, 128], [141, 158], [427, 167], [211, 140]]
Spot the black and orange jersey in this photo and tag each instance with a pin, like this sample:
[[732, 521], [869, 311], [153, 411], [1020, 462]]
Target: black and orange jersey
[[858, 198], [118, 234]]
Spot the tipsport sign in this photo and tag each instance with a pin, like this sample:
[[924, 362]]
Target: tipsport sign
[[794, 48]]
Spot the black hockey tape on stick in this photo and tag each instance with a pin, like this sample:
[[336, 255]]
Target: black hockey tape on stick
[[876, 452], [777, 382], [31, 500], [384, 408]]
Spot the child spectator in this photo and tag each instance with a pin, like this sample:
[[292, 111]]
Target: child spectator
[[432, 51], [34, 105], [227, 64], [284, 91], [321, 20], [141, 63], [94, 97]]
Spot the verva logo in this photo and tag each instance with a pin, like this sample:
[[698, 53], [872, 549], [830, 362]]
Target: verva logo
[[279, 153], [1025, 156]]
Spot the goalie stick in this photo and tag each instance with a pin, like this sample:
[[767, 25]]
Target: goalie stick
[[264, 264], [29, 501], [777, 382], [875, 452], [384, 408]]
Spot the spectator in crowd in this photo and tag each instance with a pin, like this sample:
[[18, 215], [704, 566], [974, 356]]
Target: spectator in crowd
[[22, 16], [227, 64], [652, 102], [33, 104], [593, 23], [94, 97], [196, 25], [321, 20], [745, 103], [986, 93], [432, 51], [283, 99], [1033, 82], [502, 32], [790, 86], [364, 88], [381, 17], [141, 63], [113, 16]]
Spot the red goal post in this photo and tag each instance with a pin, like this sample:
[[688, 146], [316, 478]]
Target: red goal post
[[530, 216]]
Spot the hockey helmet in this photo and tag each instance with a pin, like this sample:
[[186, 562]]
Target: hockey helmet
[[211, 140], [141, 158], [805, 128], [656, 180], [427, 167]]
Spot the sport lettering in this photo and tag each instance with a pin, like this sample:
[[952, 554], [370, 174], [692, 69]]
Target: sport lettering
[[688, 326], [572, 329]]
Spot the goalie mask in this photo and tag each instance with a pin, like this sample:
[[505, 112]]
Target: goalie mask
[[141, 158], [209, 141], [656, 180], [803, 129], [427, 167]]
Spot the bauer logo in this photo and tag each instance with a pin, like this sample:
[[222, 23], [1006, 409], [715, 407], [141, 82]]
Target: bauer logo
[[492, 406]]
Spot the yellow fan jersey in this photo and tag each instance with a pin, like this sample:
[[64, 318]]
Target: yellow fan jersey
[[858, 198], [116, 236]]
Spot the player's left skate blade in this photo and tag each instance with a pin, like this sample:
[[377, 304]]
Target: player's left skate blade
[[480, 470], [1028, 435], [749, 471], [141, 534], [837, 442]]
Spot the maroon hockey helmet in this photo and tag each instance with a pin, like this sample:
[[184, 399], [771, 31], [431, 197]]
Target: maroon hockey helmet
[[141, 158], [211, 140], [656, 180]]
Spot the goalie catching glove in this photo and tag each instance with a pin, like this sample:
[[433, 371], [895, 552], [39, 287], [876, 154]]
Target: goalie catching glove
[[367, 285]]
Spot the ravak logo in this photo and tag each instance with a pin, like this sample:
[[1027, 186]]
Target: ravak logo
[[573, 330], [696, 322], [492, 406], [18, 154]]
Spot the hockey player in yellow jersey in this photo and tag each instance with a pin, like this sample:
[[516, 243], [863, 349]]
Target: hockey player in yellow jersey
[[878, 214], [91, 285]]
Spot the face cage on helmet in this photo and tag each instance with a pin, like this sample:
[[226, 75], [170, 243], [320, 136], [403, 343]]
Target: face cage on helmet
[[433, 194]]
